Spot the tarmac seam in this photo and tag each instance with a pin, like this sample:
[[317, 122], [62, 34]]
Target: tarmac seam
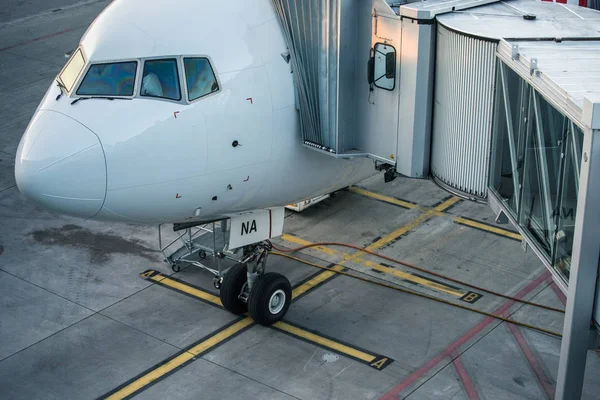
[[250, 378], [50, 12], [94, 312], [385, 396], [8, 188], [465, 338]]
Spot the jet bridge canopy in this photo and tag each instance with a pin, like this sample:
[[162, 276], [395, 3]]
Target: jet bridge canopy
[[331, 43]]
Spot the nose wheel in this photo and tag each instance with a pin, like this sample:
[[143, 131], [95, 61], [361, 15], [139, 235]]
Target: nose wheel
[[246, 287], [270, 298], [232, 289]]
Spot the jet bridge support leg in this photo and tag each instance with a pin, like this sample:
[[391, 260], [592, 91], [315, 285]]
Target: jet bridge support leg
[[578, 334]]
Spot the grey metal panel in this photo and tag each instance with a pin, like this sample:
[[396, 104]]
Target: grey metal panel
[[505, 20], [463, 108], [311, 28], [430, 8], [416, 94], [564, 73]]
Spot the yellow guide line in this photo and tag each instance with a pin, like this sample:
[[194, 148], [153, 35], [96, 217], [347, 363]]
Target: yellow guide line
[[421, 281], [361, 355], [187, 289], [421, 219], [439, 210], [488, 228], [320, 278], [387, 199], [302, 242], [309, 336], [180, 360], [381, 268]]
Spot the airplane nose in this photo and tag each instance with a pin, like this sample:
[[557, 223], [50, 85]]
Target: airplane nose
[[60, 165]]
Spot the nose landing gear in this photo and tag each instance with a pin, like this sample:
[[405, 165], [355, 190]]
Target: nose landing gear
[[246, 287]]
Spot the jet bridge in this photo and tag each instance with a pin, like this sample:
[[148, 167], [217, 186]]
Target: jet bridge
[[333, 45], [497, 101]]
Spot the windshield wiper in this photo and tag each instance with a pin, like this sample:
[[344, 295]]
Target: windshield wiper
[[99, 97], [62, 88]]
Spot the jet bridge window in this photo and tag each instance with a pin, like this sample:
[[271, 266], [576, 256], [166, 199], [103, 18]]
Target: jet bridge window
[[112, 79], [161, 79], [200, 77]]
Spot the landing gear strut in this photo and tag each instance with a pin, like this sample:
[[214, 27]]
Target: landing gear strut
[[243, 288], [246, 287]]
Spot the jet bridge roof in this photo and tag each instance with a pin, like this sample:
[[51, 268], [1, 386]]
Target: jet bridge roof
[[506, 19], [565, 71]]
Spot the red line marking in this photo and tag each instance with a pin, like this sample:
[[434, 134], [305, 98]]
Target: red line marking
[[247, 179], [250, 98], [39, 38], [418, 374], [464, 376], [535, 365], [175, 113], [561, 1], [561, 296], [270, 223], [583, 3]]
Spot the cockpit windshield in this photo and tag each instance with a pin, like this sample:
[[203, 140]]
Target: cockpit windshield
[[71, 71], [111, 79]]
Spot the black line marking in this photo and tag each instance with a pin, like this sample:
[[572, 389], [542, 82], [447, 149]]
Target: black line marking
[[177, 354], [438, 282], [192, 285], [439, 203], [315, 332], [422, 277], [335, 275], [453, 205], [375, 240], [488, 224], [210, 303]]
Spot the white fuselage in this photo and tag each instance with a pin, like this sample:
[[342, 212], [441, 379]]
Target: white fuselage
[[157, 160]]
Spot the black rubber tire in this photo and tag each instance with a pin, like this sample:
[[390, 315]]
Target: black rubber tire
[[231, 287], [258, 302]]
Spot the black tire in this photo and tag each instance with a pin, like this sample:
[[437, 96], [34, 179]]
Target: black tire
[[231, 287], [260, 297]]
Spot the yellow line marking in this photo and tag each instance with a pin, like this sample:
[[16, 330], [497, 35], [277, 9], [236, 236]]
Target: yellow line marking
[[488, 228], [180, 359], [187, 289], [306, 286], [439, 211], [416, 279], [447, 204], [324, 341], [302, 242], [380, 268], [387, 199]]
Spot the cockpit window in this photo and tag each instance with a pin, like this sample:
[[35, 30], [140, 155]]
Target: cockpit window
[[160, 79], [200, 78], [71, 71], [113, 79]]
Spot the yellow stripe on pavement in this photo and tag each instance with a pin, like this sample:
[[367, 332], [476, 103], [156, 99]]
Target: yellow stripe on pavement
[[323, 341], [386, 199], [181, 359], [487, 228]]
